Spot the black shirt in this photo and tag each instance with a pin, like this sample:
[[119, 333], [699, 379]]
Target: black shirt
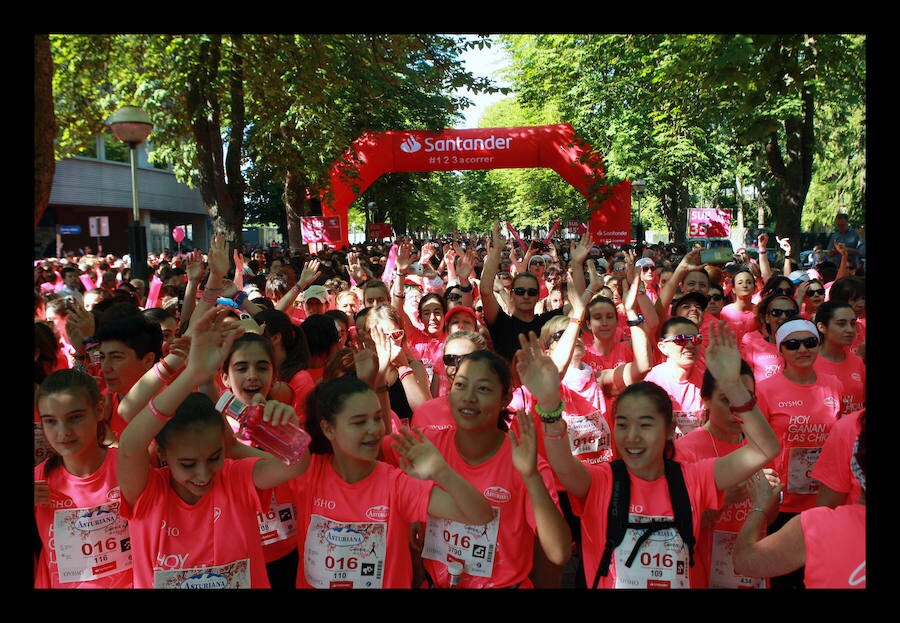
[[506, 329]]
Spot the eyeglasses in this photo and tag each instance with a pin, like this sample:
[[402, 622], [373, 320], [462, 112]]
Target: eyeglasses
[[396, 335], [783, 291], [681, 339], [454, 296], [452, 360], [812, 293], [555, 337], [520, 291], [810, 343], [778, 313], [715, 297]]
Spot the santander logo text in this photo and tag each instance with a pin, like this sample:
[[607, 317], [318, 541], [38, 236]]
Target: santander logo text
[[410, 145]]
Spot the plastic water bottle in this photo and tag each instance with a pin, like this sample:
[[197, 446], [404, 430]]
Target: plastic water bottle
[[286, 442], [455, 569]]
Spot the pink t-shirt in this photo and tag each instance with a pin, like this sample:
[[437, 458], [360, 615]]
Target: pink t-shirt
[[620, 354], [852, 373], [427, 349], [802, 417], [662, 562], [85, 512], [498, 554], [860, 335], [213, 543], [356, 535], [719, 531], [687, 403], [435, 412], [762, 356], [833, 467], [302, 383], [740, 321], [835, 546]]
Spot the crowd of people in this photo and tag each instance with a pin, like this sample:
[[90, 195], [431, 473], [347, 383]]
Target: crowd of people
[[480, 412]]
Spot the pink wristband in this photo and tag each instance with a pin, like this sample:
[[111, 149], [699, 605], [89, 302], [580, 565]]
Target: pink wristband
[[162, 417], [162, 376]]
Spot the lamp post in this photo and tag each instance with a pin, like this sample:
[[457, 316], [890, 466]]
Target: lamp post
[[638, 187], [132, 126]]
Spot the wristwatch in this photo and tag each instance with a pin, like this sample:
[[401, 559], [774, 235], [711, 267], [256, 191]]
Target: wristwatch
[[636, 322]]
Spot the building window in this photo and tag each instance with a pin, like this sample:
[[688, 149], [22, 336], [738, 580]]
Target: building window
[[116, 150]]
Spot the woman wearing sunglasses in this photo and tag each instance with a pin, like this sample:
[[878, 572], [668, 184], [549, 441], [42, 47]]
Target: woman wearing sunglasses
[[758, 346], [504, 327], [680, 375], [801, 405], [810, 294]]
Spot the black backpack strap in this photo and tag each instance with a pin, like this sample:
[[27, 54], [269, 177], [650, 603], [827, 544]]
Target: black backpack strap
[[681, 504], [617, 516], [648, 528]]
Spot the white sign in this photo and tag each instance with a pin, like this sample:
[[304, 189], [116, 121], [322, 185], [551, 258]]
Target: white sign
[[98, 225]]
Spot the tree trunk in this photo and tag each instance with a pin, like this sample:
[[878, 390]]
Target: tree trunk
[[44, 126], [236, 184], [294, 198]]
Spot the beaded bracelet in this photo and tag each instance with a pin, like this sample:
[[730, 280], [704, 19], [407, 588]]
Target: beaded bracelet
[[162, 417], [552, 416]]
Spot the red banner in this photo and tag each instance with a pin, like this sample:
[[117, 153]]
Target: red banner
[[321, 229], [380, 230], [576, 228], [611, 221], [709, 223]]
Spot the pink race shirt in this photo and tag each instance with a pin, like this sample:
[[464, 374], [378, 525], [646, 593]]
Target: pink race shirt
[[833, 467], [852, 373], [498, 554], [214, 543], [428, 349], [662, 561], [740, 322], [802, 417], [356, 535], [86, 542], [835, 546], [687, 404], [762, 356], [619, 355], [719, 531]]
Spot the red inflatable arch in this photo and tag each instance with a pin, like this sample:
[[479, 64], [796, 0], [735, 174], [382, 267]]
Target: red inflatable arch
[[547, 146]]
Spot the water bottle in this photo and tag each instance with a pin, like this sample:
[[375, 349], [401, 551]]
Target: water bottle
[[455, 569], [286, 442]]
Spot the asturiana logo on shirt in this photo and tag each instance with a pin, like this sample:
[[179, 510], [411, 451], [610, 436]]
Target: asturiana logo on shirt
[[95, 520], [344, 537], [497, 494], [378, 513], [205, 580]]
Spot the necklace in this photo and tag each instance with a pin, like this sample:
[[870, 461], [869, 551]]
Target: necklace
[[713, 440]]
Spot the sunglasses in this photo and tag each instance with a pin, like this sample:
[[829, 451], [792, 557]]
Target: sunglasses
[[454, 296], [646, 268], [520, 291], [778, 313], [715, 297], [504, 275], [452, 360], [681, 339], [810, 343], [812, 293], [479, 309], [555, 337], [396, 335], [784, 291]]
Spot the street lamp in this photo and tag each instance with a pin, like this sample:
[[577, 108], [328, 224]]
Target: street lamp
[[638, 187], [132, 126]]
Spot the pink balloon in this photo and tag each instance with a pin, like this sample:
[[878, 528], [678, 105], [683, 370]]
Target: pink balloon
[[178, 234]]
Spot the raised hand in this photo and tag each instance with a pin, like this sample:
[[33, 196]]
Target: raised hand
[[762, 240], [785, 244], [211, 339], [217, 258], [404, 250], [579, 251], [79, 323], [524, 444], [536, 370], [238, 269], [418, 456], [193, 266], [723, 359], [310, 272]]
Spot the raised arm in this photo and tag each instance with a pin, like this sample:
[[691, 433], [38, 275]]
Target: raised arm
[[195, 270], [307, 276], [723, 360], [691, 261], [553, 531], [616, 379], [489, 272], [765, 269], [539, 375], [455, 497]]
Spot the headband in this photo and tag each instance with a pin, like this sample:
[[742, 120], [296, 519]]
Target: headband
[[798, 324]]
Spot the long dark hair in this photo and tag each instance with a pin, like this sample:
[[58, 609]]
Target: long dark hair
[[294, 340], [504, 375], [325, 401]]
